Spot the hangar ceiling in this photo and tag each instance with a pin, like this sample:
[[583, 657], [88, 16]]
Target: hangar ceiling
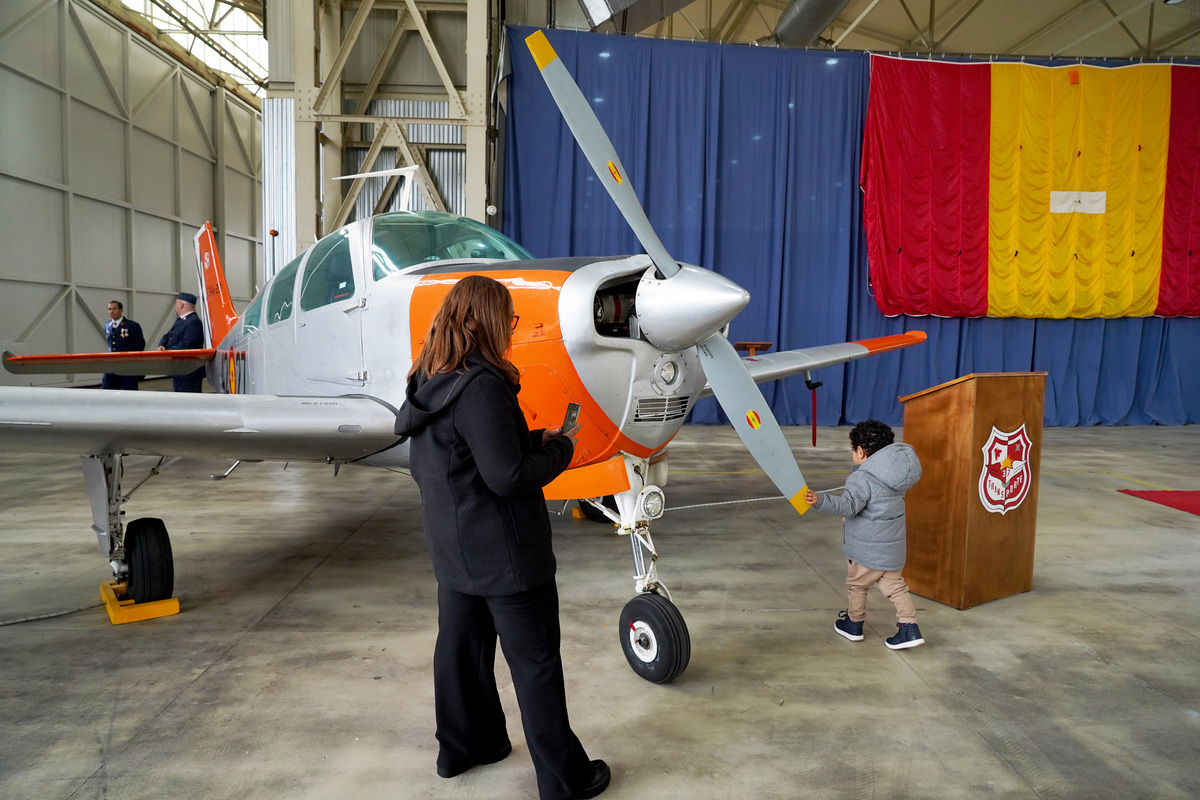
[[1068, 28]]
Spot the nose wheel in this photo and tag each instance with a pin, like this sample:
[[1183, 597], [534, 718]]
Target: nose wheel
[[655, 638]]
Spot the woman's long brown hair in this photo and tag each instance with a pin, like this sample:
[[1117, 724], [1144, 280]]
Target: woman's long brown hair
[[475, 317]]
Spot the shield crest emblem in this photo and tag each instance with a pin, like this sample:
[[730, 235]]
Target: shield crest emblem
[[1005, 480]]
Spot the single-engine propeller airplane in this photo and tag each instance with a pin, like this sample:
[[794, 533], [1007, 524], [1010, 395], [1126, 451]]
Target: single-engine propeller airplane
[[316, 366]]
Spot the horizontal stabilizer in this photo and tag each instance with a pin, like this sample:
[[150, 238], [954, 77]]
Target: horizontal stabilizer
[[786, 363], [149, 362]]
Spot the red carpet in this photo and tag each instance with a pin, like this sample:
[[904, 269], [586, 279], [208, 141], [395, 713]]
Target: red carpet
[[1184, 501]]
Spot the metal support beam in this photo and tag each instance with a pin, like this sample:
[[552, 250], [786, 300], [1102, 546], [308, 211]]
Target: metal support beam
[[1114, 21], [1057, 22], [1125, 27], [385, 58], [456, 104], [858, 19], [304, 67], [961, 20], [916, 27], [333, 76], [476, 112]]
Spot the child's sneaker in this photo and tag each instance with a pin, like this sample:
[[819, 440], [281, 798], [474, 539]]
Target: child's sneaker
[[909, 635], [849, 628]]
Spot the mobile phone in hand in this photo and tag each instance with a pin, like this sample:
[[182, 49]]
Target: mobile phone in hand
[[571, 417]]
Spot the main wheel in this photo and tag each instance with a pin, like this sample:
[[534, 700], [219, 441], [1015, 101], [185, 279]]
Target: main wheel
[[151, 567], [654, 638], [595, 514]]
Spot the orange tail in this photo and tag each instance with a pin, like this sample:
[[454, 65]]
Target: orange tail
[[216, 304]]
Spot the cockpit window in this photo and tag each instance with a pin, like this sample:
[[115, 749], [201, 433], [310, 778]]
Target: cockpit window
[[329, 274], [253, 313], [405, 239], [279, 304]]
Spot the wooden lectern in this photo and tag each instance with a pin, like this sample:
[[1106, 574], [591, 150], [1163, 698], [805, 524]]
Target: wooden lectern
[[973, 515]]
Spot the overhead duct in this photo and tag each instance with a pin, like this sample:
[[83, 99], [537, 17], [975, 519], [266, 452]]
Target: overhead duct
[[628, 16], [803, 22]]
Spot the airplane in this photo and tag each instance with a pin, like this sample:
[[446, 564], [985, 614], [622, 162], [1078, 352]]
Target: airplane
[[315, 369]]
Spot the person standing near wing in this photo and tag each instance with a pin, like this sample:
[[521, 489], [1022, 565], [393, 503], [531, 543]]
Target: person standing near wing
[[481, 472], [123, 336], [186, 334]]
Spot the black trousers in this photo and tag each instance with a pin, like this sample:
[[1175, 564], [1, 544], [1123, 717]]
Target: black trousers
[[110, 380], [188, 383], [470, 721]]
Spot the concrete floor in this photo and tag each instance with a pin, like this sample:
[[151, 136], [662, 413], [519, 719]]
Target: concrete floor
[[300, 665]]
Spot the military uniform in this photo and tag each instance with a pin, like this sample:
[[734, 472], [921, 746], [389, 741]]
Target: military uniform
[[123, 336], [186, 334]]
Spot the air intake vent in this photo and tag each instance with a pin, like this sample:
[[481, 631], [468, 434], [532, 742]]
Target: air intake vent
[[660, 409]]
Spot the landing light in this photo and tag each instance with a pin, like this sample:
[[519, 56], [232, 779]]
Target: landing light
[[667, 372], [652, 501]]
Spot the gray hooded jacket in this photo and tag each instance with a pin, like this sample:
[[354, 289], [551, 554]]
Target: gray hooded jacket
[[873, 533]]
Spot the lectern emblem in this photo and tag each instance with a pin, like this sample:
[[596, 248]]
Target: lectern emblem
[[1005, 479]]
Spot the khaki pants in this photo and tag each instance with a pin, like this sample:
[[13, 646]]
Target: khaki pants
[[859, 579]]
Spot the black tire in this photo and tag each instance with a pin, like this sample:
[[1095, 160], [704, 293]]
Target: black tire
[[148, 554], [595, 514], [655, 638]]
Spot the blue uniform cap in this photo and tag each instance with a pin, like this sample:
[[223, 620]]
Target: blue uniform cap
[[186, 297]]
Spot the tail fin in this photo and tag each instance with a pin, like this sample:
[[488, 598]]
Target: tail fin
[[216, 304]]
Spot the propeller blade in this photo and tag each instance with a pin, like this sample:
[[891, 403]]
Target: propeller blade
[[745, 406], [597, 148]]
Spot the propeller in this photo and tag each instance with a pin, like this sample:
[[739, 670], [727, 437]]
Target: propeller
[[735, 390]]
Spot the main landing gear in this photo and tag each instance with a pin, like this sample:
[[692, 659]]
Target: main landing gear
[[652, 632], [138, 553]]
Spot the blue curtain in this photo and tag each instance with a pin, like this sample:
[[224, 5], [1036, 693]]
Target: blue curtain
[[746, 160]]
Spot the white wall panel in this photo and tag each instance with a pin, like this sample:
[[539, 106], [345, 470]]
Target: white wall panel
[[31, 209], [153, 169], [196, 180], [155, 113], [97, 152], [108, 165], [98, 242], [31, 141], [238, 257], [36, 48], [153, 253]]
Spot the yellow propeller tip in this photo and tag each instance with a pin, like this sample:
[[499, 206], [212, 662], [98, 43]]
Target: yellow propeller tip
[[540, 48], [797, 500]]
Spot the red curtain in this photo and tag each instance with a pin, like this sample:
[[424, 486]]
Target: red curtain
[[1179, 286], [925, 183]]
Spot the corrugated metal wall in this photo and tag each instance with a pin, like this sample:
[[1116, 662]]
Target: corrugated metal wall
[[109, 160]]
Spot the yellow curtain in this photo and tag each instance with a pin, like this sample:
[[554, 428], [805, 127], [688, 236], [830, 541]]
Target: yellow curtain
[[1078, 165]]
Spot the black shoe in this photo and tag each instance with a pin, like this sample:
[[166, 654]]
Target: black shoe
[[909, 635], [445, 771], [847, 627], [600, 778]]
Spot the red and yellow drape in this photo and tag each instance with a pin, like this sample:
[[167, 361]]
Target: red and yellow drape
[[1012, 190]]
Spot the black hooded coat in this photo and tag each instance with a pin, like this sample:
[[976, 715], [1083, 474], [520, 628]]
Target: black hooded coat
[[481, 472]]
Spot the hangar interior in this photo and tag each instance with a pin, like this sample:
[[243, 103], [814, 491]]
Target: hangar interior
[[299, 666]]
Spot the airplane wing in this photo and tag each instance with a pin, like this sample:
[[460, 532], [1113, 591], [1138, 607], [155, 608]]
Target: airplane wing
[[149, 362], [236, 426], [784, 364]]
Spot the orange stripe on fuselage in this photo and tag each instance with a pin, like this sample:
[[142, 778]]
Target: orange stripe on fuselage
[[549, 379]]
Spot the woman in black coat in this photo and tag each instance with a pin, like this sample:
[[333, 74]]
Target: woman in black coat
[[481, 472]]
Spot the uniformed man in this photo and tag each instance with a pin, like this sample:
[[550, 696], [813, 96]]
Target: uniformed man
[[123, 336], [186, 334]]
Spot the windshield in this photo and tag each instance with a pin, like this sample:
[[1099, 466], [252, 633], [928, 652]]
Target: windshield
[[408, 238]]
